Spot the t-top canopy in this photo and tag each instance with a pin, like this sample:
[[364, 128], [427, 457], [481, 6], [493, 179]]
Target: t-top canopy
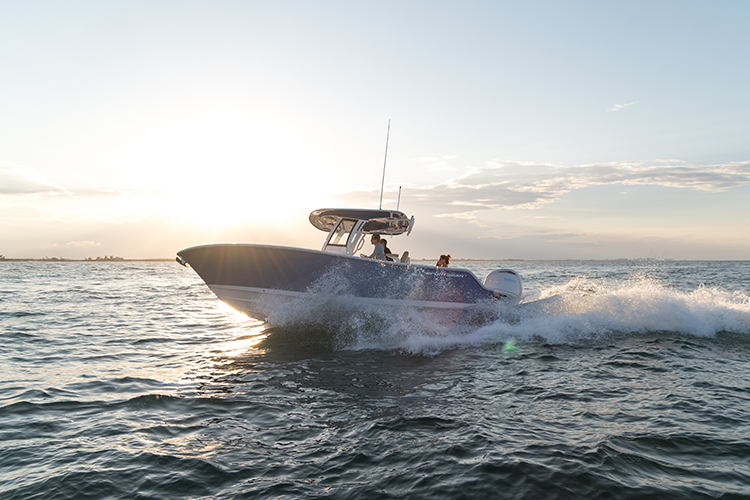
[[378, 221]]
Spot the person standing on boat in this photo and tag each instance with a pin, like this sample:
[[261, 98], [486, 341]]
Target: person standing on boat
[[379, 251]]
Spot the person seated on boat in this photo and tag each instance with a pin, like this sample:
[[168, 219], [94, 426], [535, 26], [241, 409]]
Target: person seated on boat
[[379, 251], [405, 259], [387, 250], [443, 261]]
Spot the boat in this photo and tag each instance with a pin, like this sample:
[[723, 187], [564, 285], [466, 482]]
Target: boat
[[262, 281]]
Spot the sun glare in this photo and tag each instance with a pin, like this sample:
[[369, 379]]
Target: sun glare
[[223, 169]]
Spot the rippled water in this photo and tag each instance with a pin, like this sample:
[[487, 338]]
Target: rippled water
[[610, 380]]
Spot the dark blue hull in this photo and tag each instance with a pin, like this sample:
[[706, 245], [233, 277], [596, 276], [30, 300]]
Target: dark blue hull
[[257, 278]]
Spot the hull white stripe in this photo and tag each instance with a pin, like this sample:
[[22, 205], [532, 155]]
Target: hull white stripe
[[230, 292]]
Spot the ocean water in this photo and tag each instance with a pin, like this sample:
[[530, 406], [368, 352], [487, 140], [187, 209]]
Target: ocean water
[[611, 379]]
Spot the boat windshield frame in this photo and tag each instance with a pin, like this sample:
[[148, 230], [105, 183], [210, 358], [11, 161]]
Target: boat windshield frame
[[345, 236]]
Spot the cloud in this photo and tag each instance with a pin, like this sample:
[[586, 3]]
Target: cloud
[[515, 186], [435, 163], [125, 193], [618, 107], [17, 179], [77, 244]]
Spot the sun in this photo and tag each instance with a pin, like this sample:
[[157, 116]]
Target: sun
[[223, 169]]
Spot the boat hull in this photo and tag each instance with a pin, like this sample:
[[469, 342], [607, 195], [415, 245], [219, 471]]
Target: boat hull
[[264, 281]]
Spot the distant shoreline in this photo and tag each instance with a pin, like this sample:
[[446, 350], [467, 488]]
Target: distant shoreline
[[8, 259]]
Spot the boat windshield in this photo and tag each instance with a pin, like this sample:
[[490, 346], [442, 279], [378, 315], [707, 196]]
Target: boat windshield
[[341, 233]]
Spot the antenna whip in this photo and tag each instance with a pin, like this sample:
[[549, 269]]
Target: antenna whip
[[382, 183]]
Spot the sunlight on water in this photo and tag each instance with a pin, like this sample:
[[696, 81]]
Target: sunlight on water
[[253, 334]]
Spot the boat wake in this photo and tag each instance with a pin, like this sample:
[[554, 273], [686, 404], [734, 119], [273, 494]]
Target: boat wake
[[581, 310]]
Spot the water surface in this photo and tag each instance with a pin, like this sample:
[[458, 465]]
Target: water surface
[[622, 379]]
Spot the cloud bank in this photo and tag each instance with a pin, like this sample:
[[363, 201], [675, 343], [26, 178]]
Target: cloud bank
[[514, 186], [20, 180]]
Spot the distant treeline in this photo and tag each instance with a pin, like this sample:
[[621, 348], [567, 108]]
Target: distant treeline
[[106, 258]]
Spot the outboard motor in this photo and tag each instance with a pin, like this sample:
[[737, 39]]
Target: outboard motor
[[506, 283]]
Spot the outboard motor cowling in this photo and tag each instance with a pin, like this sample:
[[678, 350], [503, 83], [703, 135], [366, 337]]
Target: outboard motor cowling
[[505, 282]]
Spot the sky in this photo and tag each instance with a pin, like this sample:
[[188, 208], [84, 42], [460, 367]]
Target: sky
[[518, 130]]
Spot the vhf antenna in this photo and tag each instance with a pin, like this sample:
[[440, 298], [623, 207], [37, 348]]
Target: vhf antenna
[[382, 183]]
